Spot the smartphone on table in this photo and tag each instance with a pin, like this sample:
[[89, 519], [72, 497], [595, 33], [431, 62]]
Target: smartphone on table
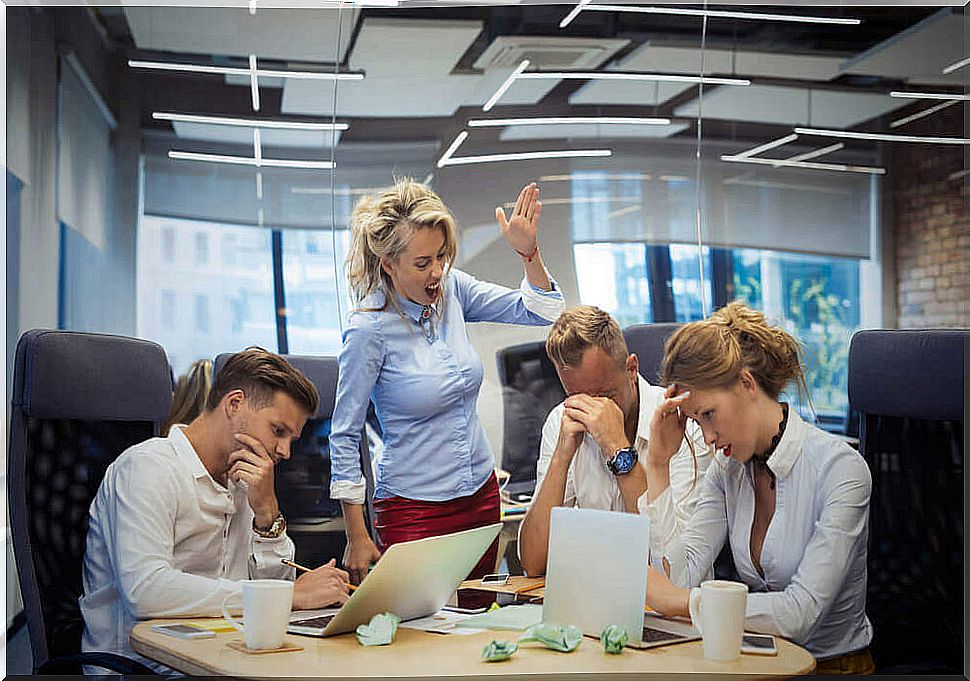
[[496, 578], [758, 644], [183, 630]]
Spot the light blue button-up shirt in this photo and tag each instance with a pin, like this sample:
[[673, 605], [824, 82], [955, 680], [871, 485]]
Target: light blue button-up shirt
[[424, 385]]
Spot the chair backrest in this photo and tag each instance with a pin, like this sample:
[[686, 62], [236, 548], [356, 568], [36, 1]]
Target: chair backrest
[[646, 341], [908, 388], [303, 482], [79, 400], [530, 390]]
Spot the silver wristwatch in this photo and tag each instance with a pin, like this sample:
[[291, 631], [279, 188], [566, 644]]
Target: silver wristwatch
[[274, 530]]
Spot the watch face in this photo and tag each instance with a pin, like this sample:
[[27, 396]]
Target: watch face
[[623, 461]]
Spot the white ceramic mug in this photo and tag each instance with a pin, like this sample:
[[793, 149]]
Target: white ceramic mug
[[266, 612], [717, 610]]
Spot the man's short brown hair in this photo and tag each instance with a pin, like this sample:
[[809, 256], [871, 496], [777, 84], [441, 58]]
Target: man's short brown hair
[[580, 328], [260, 374]]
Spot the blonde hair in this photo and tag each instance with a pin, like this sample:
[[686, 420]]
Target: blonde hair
[[712, 353], [580, 328], [191, 393], [381, 227]]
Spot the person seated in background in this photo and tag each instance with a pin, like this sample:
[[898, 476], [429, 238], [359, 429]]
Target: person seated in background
[[191, 392], [791, 499], [178, 521], [594, 443]]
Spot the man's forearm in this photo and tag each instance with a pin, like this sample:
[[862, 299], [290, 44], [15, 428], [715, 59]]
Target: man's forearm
[[632, 485], [534, 535]]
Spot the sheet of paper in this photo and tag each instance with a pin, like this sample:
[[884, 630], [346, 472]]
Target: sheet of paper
[[442, 622]]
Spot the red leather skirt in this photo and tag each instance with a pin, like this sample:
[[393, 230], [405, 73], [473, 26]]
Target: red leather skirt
[[399, 519]]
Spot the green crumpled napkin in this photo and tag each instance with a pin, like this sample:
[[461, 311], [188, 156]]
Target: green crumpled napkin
[[614, 638], [496, 651], [379, 631], [564, 639]]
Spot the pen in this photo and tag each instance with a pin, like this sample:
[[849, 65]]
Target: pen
[[306, 569]]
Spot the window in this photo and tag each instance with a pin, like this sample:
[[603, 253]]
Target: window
[[168, 244], [685, 282], [613, 277], [231, 306], [201, 248]]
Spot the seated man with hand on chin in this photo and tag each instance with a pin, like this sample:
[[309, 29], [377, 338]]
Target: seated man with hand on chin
[[179, 521], [594, 445]]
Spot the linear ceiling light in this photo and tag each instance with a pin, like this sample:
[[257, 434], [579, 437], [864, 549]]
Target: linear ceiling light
[[765, 147], [631, 75], [257, 147], [526, 156], [247, 122], [755, 16], [453, 147], [818, 152], [958, 174], [781, 163], [252, 7], [254, 81], [259, 185], [929, 95], [920, 114], [248, 161], [955, 66], [882, 137], [597, 120], [241, 71], [523, 65], [573, 13]]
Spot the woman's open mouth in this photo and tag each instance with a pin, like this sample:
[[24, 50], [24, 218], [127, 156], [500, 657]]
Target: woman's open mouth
[[433, 290]]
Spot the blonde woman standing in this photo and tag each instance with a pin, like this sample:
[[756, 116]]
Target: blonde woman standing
[[792, 501], [406, 347]]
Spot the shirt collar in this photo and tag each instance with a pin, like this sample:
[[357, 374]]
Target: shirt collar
[[411, 309], [646, 408], [789, 447], [185, 450]]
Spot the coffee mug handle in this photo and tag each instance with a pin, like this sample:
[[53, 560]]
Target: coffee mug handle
[[694, 605], [225, 612]]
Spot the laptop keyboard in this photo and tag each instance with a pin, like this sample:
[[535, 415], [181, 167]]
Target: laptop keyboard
[[314, 622], [651, 635]]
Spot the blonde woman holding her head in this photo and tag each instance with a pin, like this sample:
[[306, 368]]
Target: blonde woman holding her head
[[406, 347], [791, 500]]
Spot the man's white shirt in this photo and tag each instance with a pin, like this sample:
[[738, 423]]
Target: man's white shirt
[[590, 484], [166, 540]]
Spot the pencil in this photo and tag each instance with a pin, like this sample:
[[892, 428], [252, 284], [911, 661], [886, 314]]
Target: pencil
[[306, 569]]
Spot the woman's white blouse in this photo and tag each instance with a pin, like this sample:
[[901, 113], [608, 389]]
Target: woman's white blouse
[[814, 553]]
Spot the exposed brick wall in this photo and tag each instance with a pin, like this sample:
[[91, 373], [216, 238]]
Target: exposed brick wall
[[931, 229]]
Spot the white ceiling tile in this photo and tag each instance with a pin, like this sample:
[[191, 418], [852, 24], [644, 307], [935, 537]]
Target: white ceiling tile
[[792, 106], [630, 93], [588, 131], [286, 34], [309, 139]]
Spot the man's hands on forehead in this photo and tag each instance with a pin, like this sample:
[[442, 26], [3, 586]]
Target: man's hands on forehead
[[602, 418]]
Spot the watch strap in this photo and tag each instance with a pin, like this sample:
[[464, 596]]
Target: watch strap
[[274, 530]]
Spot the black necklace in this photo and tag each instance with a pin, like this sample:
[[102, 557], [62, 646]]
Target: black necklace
[[761, 459]]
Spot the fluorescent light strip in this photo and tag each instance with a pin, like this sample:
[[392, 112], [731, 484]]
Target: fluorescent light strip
[[925, 112], [956, 66], [239, 71], [802, 164], [958, 174], [259, 217], [582, 199], [880, 136], [626, 75], [818, 152], [620, 212], [252, 7], [523, 65], [457, 142], [765, 147], [754, 16], [247, 122], [597, 120], [573, 13], [595, 176], [259, 185], [247, 161], [527, 156], [928, 95], [257, 147], [254, 81]]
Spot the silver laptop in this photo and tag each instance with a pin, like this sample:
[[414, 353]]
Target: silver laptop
[[412, 579], [597, 575]]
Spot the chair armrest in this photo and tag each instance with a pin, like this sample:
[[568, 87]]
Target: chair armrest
[[73, 664]]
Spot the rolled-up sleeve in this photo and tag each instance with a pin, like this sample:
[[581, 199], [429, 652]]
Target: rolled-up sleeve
[[360, 364], [823, 570], [528, 305], [268, 555]]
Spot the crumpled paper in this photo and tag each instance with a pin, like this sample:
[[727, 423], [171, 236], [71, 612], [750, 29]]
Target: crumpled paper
[[614, 638], [379, 631], [565, 639], [496, 651]]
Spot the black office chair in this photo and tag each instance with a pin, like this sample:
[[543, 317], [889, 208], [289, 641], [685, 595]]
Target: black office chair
[[530, 390], [303, 482], [908, 389], [79, 400], [646, 341]]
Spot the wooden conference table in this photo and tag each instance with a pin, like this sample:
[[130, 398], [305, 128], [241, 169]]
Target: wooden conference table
[[420, 654]]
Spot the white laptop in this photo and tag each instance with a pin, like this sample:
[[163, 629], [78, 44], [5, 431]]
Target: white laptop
[[412, 579], [597, 575]]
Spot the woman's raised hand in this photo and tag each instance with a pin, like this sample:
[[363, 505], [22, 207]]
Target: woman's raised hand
[[521, 229]]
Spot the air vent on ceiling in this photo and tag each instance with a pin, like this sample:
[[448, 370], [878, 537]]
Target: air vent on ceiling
[[547, 53]]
